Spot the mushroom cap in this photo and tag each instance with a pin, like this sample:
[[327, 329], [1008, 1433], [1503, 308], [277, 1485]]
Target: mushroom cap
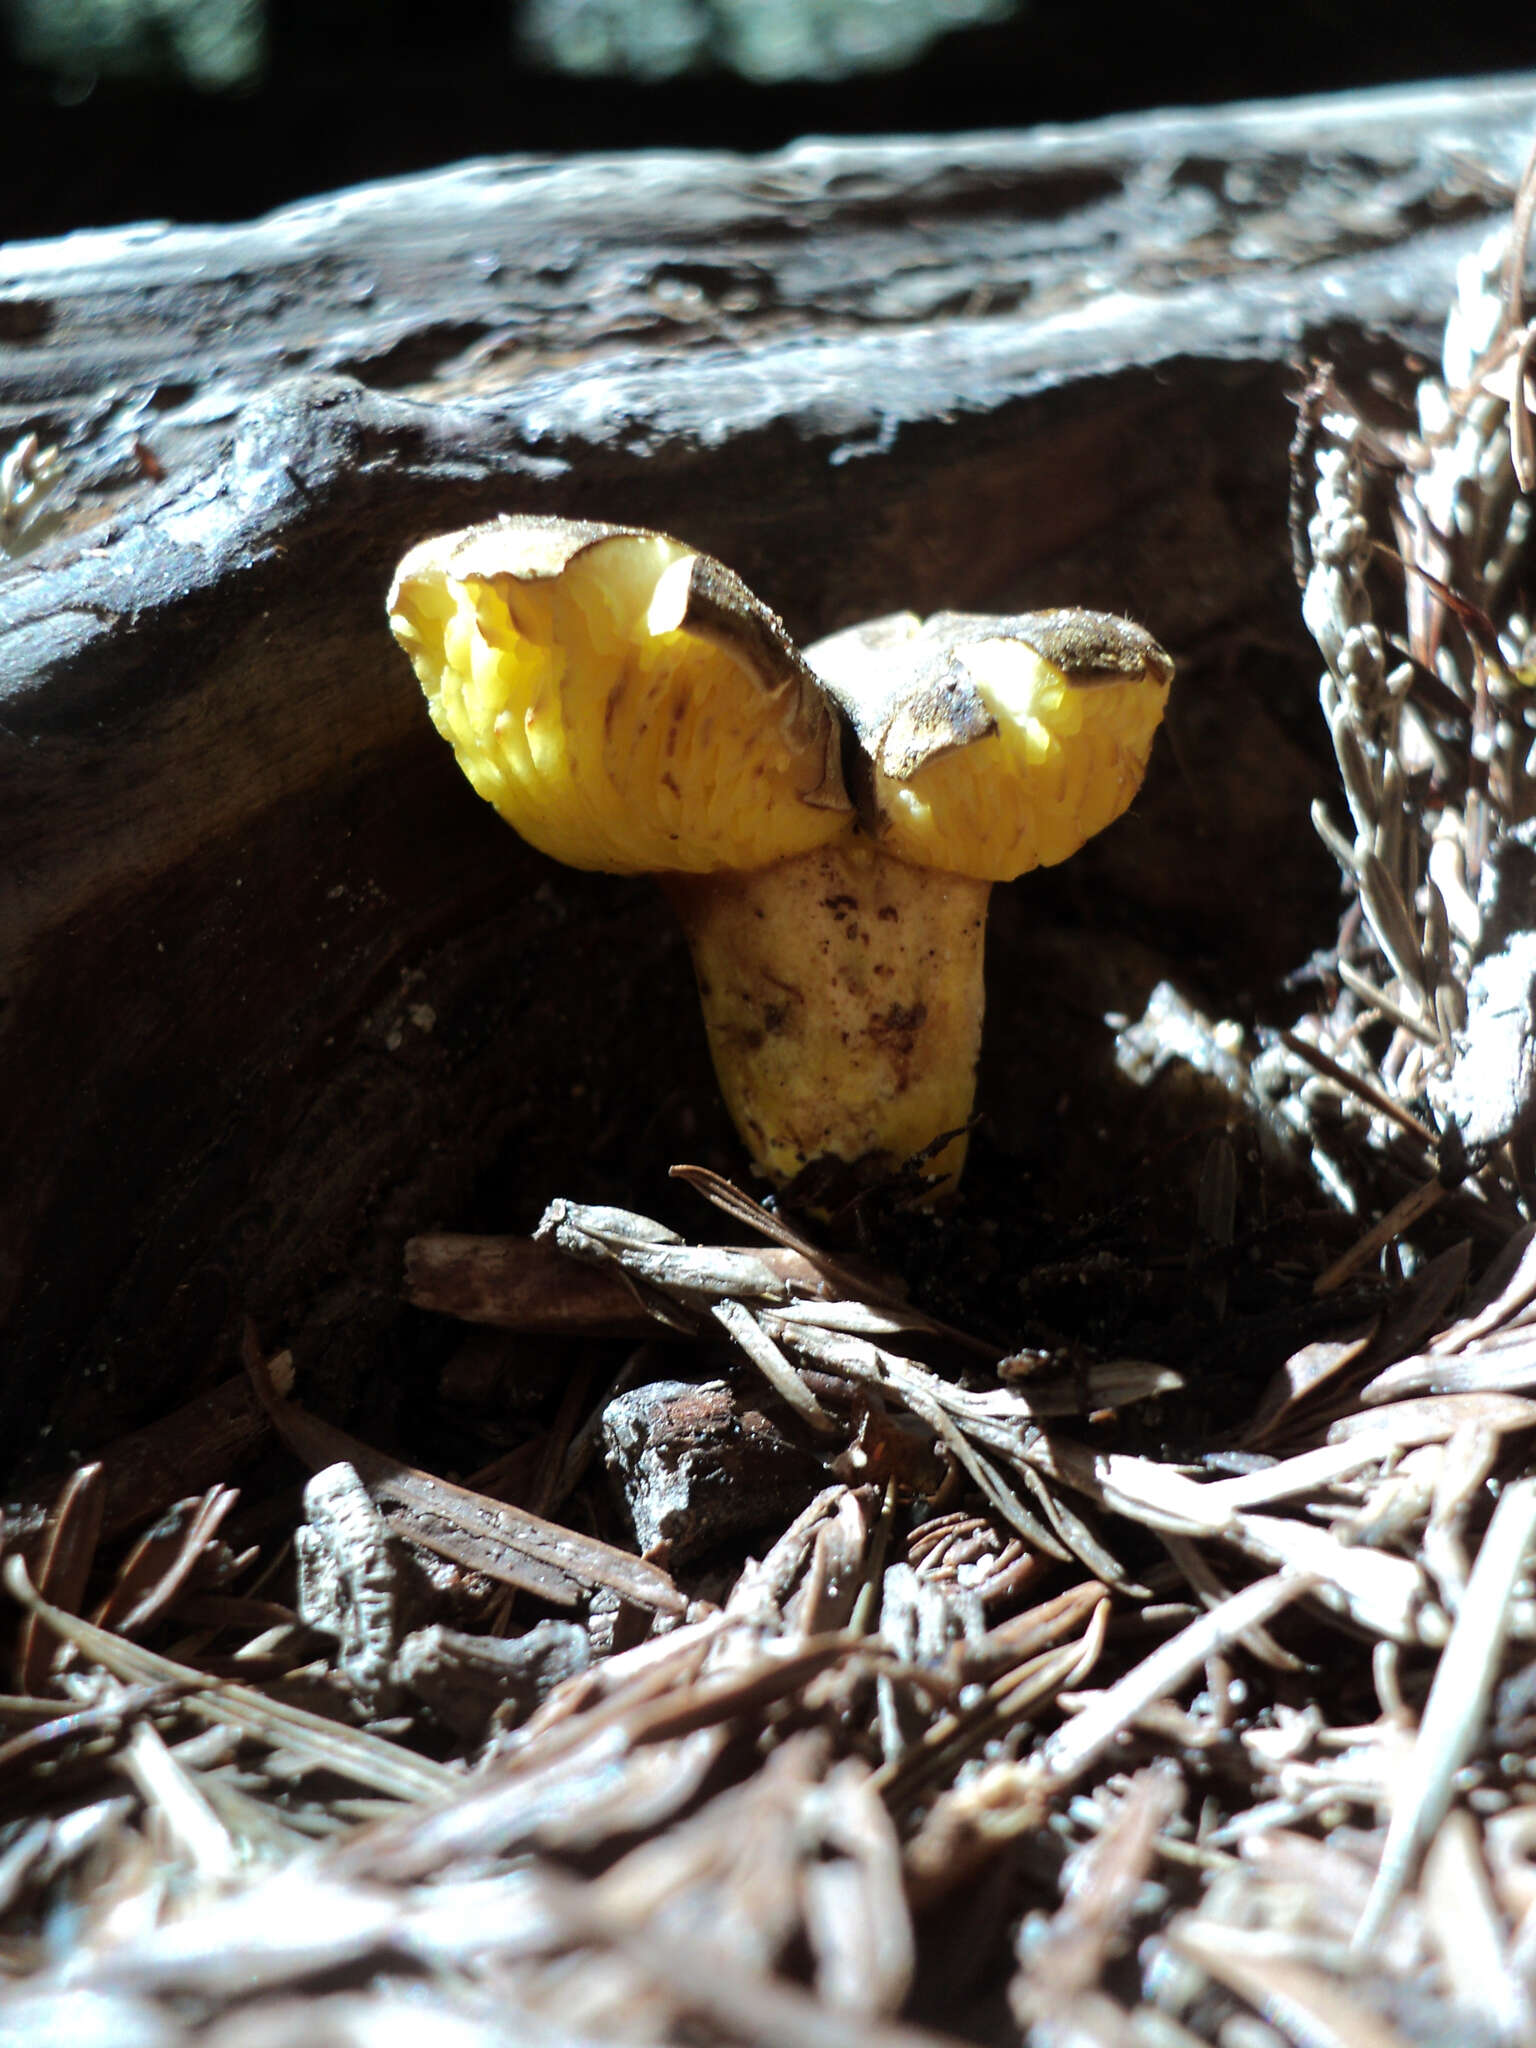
[[994, 745], [624, 702]]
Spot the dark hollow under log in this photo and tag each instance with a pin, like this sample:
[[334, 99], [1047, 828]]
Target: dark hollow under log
[[278, 994]]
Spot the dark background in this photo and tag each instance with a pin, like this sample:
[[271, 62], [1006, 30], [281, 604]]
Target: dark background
[[359, 89]]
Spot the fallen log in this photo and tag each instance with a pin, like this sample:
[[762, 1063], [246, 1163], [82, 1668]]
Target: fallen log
[[276, 997]]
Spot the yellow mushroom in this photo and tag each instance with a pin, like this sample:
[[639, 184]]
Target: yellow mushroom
[[627, 704]]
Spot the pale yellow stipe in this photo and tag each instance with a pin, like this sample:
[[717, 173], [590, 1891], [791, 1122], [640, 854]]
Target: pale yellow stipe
[[842, 996], [1065, 761]]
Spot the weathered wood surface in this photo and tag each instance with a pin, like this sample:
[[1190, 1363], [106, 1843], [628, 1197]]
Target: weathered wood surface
[[276, 994], [502, 268]]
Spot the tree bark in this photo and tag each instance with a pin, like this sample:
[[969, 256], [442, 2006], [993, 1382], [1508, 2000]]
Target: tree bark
[[278, 994]]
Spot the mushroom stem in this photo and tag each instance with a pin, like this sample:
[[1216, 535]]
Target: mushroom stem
[[842, 997]]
